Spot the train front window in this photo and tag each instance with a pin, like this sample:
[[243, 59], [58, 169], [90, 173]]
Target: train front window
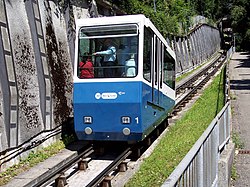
[[108, 51]]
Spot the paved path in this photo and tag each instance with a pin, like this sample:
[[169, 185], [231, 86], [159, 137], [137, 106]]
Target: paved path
[[240, 100]]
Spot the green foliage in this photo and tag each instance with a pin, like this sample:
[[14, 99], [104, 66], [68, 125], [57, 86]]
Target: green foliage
[[67, 139], [173, 16], [168, 16], [234, 174], [238, 13], [247, 36], [33, 159], [237, 141]]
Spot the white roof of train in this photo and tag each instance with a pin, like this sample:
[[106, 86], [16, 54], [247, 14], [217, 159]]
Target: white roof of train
[[137, 18], [111, 20]]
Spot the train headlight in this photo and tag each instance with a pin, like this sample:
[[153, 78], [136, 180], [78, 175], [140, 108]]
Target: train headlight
[[88, 130], [126, 131], [87, 120], [126, 120]]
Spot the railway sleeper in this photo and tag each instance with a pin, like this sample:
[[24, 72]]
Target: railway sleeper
[[171, 115], [165, 124], [176, 110], [107, 181], [83, 163], [137, 152], [157, 132], [61, 181], [148, 141], [182, 104], [124, 165]]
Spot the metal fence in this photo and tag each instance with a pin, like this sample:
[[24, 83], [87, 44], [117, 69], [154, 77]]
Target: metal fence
[[200, 166]]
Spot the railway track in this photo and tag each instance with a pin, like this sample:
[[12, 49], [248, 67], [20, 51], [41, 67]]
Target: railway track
[[188, 89], [105, 177], [59, 174], [88, 170]]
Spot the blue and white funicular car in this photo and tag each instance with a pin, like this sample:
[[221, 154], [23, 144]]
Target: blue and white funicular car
[[130, 89]]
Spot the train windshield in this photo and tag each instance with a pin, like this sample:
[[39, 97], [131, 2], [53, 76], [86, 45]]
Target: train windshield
[[108, 51]]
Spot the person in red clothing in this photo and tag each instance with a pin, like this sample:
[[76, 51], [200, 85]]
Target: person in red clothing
[[86, 68]]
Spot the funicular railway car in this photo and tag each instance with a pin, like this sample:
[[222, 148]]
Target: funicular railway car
[[124, 78]]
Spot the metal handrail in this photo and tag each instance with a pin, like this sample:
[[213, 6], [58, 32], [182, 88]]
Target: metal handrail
[[194, 152]]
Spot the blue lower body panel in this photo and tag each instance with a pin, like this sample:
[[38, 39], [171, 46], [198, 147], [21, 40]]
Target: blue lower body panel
[[106, 122], [107, 103]]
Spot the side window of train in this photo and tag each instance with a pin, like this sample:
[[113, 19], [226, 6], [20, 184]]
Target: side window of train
[[169, 70], [159, 49], [156, 59], [82, 50], [161, 64], [147, 54], [85, 59]]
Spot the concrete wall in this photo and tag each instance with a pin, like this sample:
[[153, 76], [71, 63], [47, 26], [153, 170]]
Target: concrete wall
[[36, 65], [195, 48]]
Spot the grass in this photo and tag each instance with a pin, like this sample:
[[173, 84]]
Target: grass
[[232, 96], [237, 141], [238, 145], [181, 137], [33, 159], [234, 174]]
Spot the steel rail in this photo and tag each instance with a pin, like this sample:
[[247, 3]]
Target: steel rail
[[183, 100], [99, 178], [53, 174], [194, 77]]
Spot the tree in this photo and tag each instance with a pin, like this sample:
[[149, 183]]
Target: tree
[[240, 15], [172, 16]]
